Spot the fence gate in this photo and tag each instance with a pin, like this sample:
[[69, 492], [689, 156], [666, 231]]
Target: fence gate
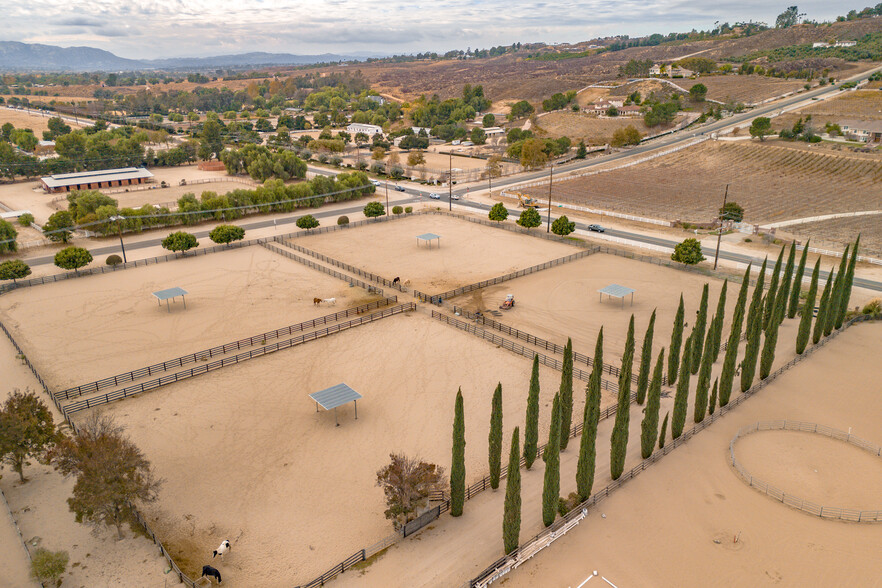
[[422, 520]]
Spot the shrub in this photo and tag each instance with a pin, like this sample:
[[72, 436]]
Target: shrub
[[873, 308], [26, 219], [14, 269], [397, 210], [688, 252], [336, 160], [225, 234], [343, 220], [7, 236], [562, 226], [48, 566], [72, 258], [408, 209], [180, 241], [567, 504], [373, 209], [307, 222], [113, 260]]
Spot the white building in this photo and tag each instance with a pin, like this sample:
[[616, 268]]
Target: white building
[[494, 131], [369, 130]]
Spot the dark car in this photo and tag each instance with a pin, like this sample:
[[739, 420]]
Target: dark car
[[399, 188], [596, 228]]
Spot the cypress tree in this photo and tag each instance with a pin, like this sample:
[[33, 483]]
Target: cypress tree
[[821, 320], [770, 344], [754, 328], [649, 426], [712, 404], [849, 282], [731, 356], [681, 396], [773, 291], [784, 288], [664, 431], [511, 518], [457, 463], [619, 438], [720, 317], [838, 314], [805, 321], [698, 333], [566, 395], [495, 437], [645, 360], [703, 385], [590, 418], [551, 488], [676, 342], [531, 428], [833, 304], [796, 286]]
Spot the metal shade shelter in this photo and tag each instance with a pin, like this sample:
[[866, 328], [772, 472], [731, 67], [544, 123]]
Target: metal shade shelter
[[336, 396], [170, 294], [617, 291], [429, 237]]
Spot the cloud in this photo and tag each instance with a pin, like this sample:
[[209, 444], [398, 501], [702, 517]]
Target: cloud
[[78, 21]]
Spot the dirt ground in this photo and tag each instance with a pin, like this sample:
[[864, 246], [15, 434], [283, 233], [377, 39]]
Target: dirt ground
[[747, 89], [857, 104], [21, 119], [674, 513], [246, 456], [80, 330], [563, 301], [469, 252], [594, 130]]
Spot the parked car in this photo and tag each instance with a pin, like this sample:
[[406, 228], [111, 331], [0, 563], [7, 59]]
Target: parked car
[[434, 196], [596, 228], [399, 188]]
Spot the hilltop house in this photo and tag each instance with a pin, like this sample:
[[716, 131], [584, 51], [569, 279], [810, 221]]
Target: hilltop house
[[868, 131], [670, 71]]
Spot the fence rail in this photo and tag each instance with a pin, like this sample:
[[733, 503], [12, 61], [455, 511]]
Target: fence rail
[[236, 359], [182, 577], [349, 268], [224, 349], [291, 255], [827, 512]]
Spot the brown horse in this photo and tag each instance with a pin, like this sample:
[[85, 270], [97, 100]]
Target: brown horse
[[316, 301]]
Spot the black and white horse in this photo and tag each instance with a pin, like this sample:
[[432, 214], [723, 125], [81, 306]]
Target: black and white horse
[[222, 549], [210, 571]]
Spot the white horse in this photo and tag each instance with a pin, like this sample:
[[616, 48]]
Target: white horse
[[330, 301]]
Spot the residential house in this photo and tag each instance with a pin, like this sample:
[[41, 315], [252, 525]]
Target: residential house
[[868, 131], [369, 130]]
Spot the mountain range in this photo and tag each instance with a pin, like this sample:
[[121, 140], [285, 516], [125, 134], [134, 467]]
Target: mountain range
[[36, 57]]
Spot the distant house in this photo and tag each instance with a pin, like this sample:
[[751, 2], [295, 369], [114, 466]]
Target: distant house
[[656, 70], [868, 131], [670, 71], [378, 99], [629, 111], [680, 72], [94, 180], [369, 130], [494, 131], [602, 106], [820, 45], [45, 148], [845, 43], [418, 130]]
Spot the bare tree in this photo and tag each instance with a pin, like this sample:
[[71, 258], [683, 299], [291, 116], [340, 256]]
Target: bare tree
[[112, 473], [407, 483]]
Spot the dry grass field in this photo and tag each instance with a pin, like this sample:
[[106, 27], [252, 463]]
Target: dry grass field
[[22, 120], [859, 104], [594, 130], [835, 232], [746, 89], [773, 182]]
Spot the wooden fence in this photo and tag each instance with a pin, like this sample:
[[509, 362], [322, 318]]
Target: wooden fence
[[290, 255], [224, 349], [349, 268], [208, 367], [827, 512]]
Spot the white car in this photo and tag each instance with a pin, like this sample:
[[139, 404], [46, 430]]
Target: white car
[[455, 196], [434, 196]]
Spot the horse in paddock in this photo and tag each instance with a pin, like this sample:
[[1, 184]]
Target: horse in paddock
[[316, 301], [396, 280], [330, 301], [222, 549], [211, 573]]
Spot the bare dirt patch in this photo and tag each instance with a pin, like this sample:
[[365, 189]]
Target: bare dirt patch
[[593, 130], [21, 119], [747, 89]]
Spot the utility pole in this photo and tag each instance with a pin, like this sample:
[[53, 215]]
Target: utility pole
[[387, 196], [550, 180], [720, 231], [119, 219], [450, 181]]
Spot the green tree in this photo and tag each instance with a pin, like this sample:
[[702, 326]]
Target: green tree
[[754, 328], [551, 455], [626, 136], [533, 154], [590, 418], [307, 222], [681, 396], [212, 144], [720, 316], [7, 236], [566, 395], [645, 361], [823, 307], [396, 210], [837, 314], [48, 566], [772, 294], [407, 484], [712, 404], [495, 438], [224, 234], [805, 321], [73, 258], [619, 438], [663, 433], [14, 269], [531, 428], [457, 463], [698, 332], [581, 150], [488, 121], [478, 136], [511, 517], [771, 341], [849, 282], [59, 226], [796, 286], [728, 373], [688, 252], [529, 218], [676, 342], [180, 241], [788, 18], [562, 226], [26, 431], [498, 212], [26, 220], [703, 383], [761, 127], [112, 475], [786, 282], [698, 92], [649, 426], [374, 209], [732, 211]]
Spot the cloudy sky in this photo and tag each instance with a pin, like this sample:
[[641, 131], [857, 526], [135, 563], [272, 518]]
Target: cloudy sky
[[176, 28]]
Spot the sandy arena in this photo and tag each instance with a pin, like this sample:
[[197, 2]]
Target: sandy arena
[[80, 330], [469, 252], [246, 456]]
